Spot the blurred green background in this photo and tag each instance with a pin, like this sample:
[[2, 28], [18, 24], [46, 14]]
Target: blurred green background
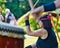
[[20, 7]]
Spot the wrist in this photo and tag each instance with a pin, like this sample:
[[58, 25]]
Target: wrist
[[27, 23]]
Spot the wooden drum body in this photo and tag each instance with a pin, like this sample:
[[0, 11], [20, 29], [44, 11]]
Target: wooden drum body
[[11, 36]]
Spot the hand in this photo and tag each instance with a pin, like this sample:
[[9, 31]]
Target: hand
[[32, 12], [26, 17]]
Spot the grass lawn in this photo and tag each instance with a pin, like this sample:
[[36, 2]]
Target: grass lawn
[[30, 40]]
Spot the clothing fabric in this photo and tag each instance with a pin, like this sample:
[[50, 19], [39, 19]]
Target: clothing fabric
[[49, 7], [10, 18], [49, 42]]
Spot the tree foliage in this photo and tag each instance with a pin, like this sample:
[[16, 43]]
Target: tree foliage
[[2, 5], [33, 23], [25, 7], [20, 7]]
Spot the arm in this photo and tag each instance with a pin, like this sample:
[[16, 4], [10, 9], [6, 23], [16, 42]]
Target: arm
[[32, 8], [35, 16], [14, 19], [36, 33], [47, 7]]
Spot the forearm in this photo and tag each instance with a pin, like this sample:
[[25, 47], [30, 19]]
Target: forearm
[[31, 33], [36, 33], [28, 30], [47, 7], [39, 9]]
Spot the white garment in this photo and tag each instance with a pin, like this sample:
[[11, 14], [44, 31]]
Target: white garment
[[12, 22], [11, 18]]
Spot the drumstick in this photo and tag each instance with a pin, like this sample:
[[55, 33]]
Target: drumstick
[[31, 4]]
